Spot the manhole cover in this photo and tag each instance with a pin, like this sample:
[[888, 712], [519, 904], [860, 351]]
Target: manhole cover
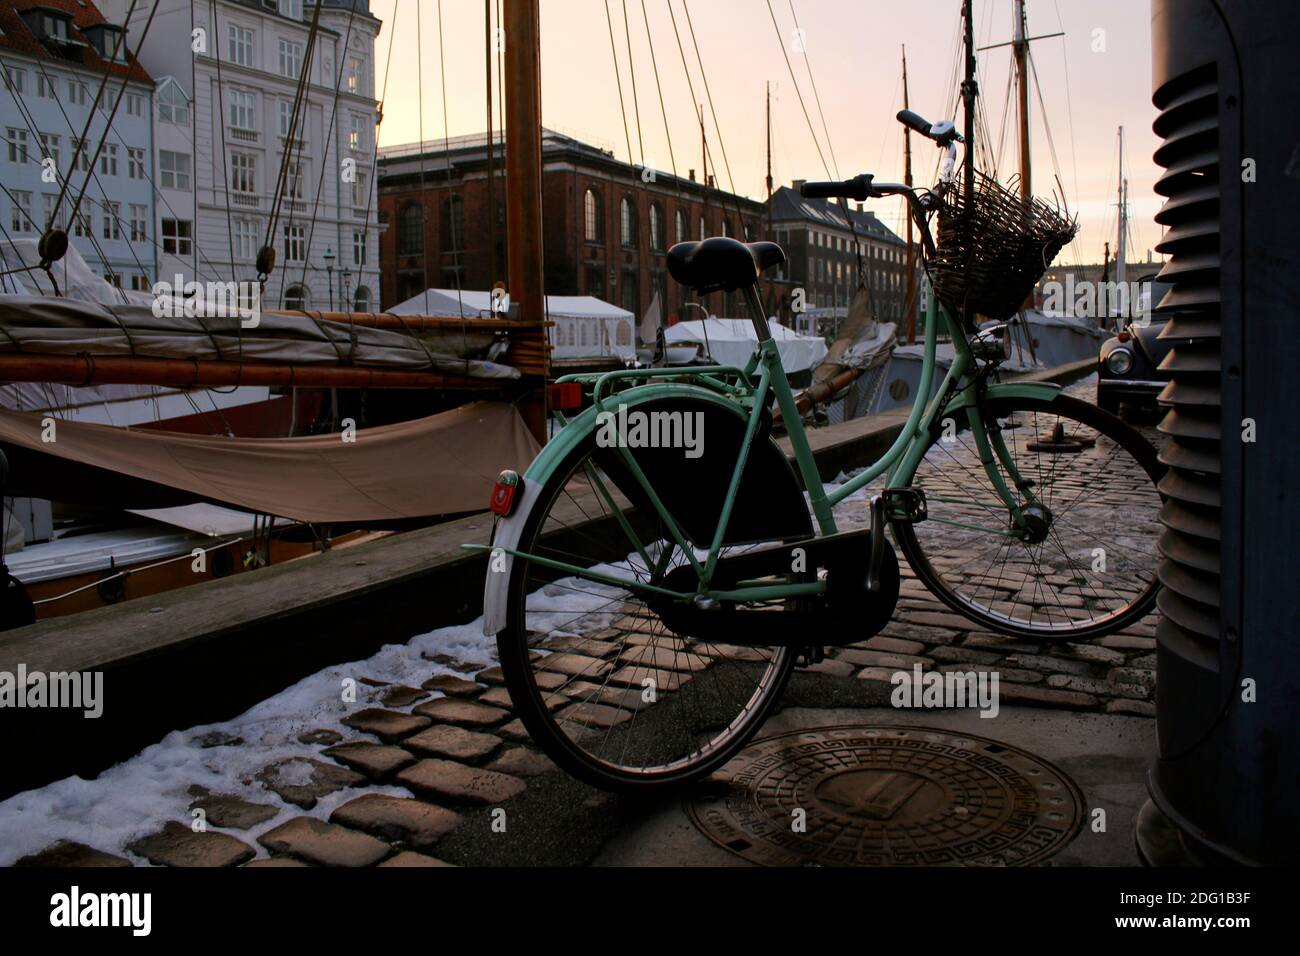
[[890, 796]]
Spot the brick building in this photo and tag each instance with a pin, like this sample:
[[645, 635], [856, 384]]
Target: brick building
[[823, 261], [606, 229]]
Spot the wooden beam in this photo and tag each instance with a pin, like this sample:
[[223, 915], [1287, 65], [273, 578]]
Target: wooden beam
[[82, 370]]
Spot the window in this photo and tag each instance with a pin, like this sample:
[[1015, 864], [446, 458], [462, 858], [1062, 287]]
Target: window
[[80, 156], [358, 247], [286, 118], [701, 227], [357, 139], [295, 244], [134, 104], [15, 79], [295, 297], [656, 227], [76, 93], [410, 230], [173, 106], [173, 169], [243, 173], [679, 233], [726, 226], [139, 223], [243, 110], [17, 140], [49, 215], [360, 191], [245, 239], [629, 293], [291, 9], [113, 279], [20, 220], [139, 283], [240, 48], [627, 223], [294, 176], [361, 299], [593, 216], [356, 71], [44, 85], [595, 282], [83, 225], [453, 224], [135, 162], [108, 160], [112, 220], [290, 58], [54, 27], [50, 147]]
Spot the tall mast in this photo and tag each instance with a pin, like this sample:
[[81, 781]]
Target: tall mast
[[491, 172], [909, 307], [1121, 246], [969, 90], [523, 120], [1020, 49], [769, 156]]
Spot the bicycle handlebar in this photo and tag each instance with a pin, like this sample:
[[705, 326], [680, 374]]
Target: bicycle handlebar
[[915, 121], [859, 187]]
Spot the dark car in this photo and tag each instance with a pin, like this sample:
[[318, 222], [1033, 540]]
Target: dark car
[[1128, 368]]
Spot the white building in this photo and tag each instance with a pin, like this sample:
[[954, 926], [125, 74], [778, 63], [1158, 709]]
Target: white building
[[53, 61], [224, 108]]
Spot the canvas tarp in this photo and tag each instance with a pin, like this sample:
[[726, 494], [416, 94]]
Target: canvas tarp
[[393, 474], [585, 326], [45, 325], [732, 342]]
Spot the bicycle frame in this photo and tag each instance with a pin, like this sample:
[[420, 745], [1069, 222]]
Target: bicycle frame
[[968, 392]]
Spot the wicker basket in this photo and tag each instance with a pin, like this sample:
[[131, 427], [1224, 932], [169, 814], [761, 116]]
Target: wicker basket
[[992, 252]]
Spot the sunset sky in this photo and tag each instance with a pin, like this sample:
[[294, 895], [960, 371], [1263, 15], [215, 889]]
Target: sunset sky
[[1093, 80]]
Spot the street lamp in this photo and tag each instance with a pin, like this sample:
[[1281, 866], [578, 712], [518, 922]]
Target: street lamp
[[329, 273]]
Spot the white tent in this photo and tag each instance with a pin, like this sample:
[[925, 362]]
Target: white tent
[[732, 341], [585, 327]]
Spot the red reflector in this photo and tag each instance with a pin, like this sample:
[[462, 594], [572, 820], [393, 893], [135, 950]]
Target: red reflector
[[504, 493], [1123, 336], [566, 396]]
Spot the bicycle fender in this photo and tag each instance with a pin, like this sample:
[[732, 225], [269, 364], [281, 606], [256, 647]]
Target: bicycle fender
[[1043, 391], [506, 534], [509, 530]]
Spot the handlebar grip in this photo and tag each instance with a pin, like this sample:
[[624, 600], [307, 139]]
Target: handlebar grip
[[915, 121], [831, 190]]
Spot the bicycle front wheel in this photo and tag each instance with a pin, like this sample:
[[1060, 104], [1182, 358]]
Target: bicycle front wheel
[[1081, 562]]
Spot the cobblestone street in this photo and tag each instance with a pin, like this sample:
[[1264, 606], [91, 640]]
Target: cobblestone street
[[415, 771]]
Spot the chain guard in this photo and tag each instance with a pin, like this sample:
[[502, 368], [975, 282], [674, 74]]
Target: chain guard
[[846, 614]]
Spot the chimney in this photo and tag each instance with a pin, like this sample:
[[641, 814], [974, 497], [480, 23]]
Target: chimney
[[859, 207], [710, 181], [692, 175], [798, 185]]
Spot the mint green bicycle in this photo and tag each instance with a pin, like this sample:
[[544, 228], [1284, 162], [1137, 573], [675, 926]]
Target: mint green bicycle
[[660, 568]]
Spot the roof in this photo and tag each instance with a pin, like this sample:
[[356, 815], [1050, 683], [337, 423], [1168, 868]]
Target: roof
[[471, 151], [787, 204], [83, 15]]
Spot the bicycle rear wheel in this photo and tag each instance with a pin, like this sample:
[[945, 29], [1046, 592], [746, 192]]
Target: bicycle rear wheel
[[1088, 564], [603, 685]]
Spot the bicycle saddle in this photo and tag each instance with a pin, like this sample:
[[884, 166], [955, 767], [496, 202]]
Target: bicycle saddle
[[721, 264]]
